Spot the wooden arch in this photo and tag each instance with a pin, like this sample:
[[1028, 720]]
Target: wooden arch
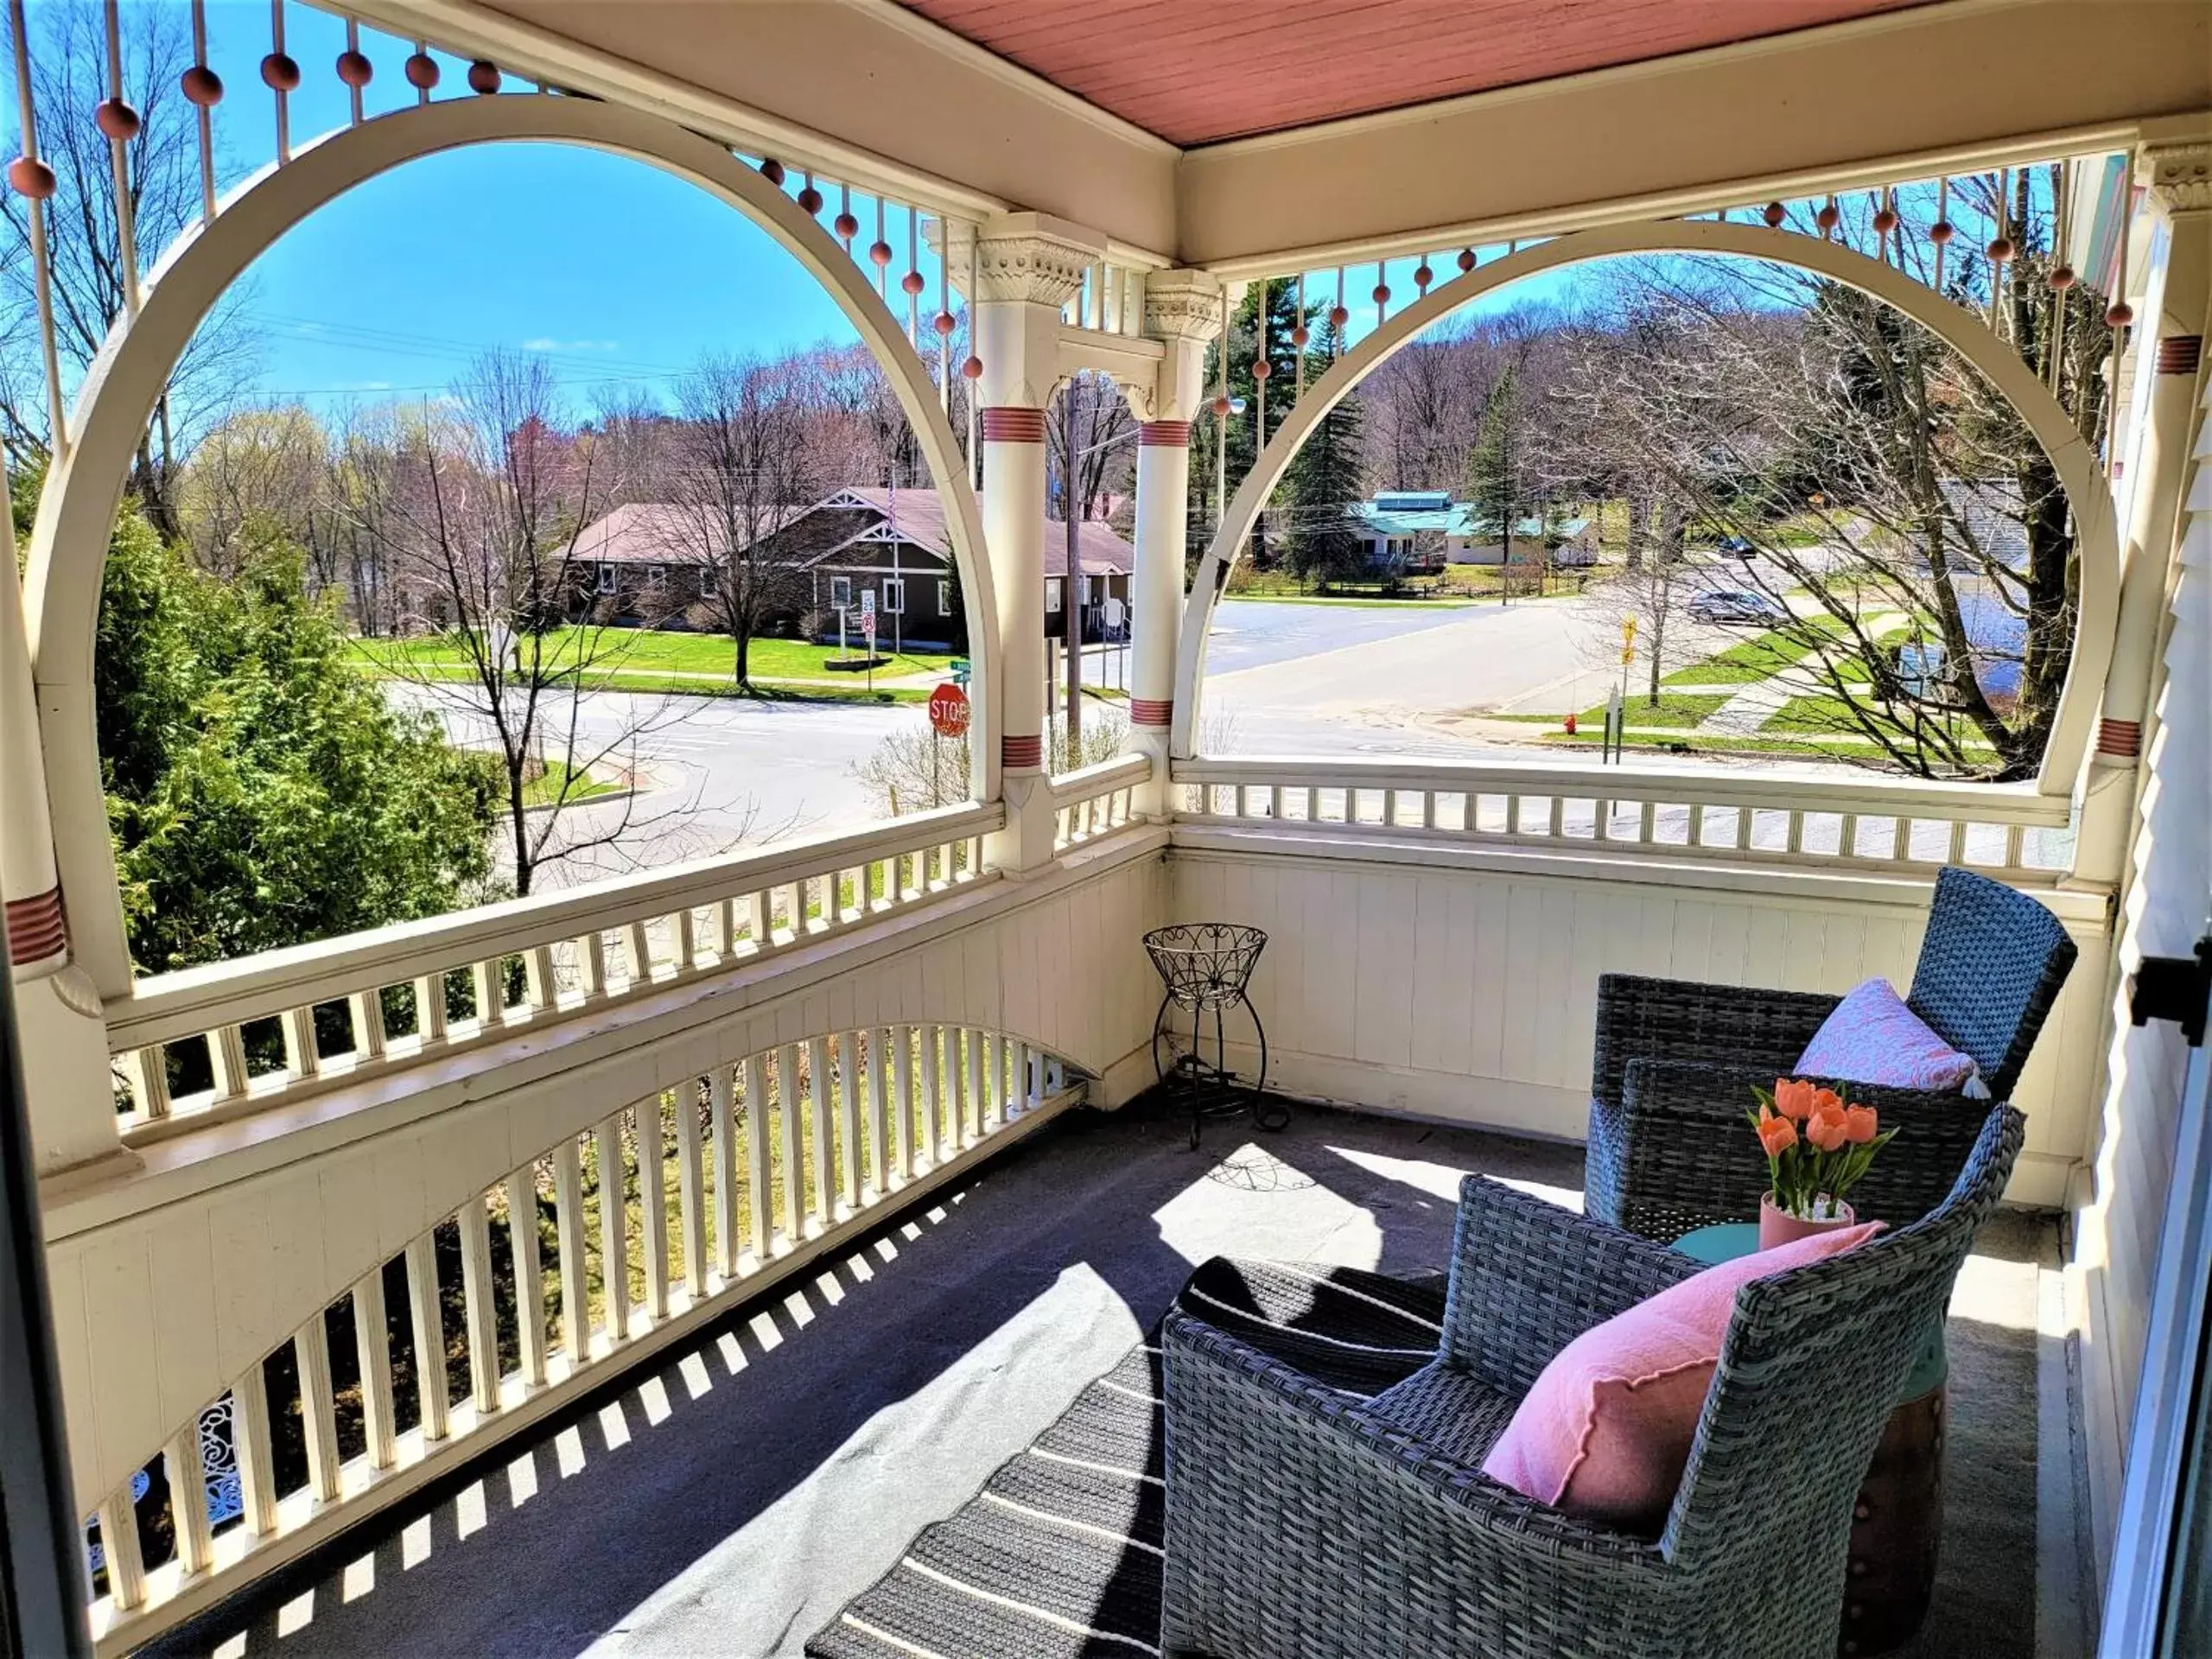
[[2071, 455], [84, 490]]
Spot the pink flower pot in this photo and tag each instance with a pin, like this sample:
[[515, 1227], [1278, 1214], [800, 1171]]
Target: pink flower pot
[[1779, 1227]]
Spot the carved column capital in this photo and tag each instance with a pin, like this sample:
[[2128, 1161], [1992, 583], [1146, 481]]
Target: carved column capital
[[2179, 175], [1032, 259], [1183, 305]]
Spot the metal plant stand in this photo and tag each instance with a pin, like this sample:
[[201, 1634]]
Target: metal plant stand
[[1206, 967]]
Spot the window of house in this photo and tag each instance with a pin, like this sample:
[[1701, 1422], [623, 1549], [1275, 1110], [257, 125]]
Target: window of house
[[655, 575], [944, 599], [893, 602], [606, 578], [1051, 592], [706, 582], [841, 593]]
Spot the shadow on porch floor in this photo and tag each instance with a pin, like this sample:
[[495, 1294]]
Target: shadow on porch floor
[[731, 1501]]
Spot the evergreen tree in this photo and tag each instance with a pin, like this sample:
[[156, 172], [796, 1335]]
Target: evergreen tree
[[1496, 494], [1326, 479], [260, 792], [1241, 431]]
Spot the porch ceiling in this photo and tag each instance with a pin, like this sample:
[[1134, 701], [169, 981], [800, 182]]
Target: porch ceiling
[[1199, 74]]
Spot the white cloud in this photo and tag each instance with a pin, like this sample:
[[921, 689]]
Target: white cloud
[[546, 343]]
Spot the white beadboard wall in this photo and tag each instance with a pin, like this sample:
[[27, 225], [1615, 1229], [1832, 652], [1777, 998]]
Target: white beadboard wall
[[163, 1300], [1469, 993]]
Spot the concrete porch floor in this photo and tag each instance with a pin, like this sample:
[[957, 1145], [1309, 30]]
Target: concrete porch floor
[[731, 1501]]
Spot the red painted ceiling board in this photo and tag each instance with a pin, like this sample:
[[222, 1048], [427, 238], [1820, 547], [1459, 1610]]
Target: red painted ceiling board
[[1197, 73]]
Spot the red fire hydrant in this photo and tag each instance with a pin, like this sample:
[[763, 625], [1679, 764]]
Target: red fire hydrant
[[1570, 725]]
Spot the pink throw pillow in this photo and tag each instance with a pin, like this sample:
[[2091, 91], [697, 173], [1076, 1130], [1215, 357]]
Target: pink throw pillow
[[1605, 1433], [1873, 1037]]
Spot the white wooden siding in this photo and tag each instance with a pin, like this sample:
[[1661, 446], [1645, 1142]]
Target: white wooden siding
[[1469, 994]]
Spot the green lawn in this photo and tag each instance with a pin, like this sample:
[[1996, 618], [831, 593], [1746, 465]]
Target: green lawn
[[545, 789], [1759, 657], [634, 651], [1674, 710]]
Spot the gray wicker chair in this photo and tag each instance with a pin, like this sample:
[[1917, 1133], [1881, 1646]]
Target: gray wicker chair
[[1675, 1063], [1301, 1520]]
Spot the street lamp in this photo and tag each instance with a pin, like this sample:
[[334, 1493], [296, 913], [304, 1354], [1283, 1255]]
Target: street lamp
[[1225, 408]]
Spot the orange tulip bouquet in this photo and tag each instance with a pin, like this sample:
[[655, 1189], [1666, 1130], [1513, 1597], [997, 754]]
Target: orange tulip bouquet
[[1817, 1148]]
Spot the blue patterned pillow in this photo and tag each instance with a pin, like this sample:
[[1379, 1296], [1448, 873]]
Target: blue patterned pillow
[[1873, 1037]]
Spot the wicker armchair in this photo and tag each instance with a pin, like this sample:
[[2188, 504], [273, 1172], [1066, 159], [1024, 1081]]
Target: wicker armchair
[[1676, 1063], [1301, 1520]]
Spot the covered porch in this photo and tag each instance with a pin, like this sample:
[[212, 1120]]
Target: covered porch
[[647, 1265], [771, 1468]]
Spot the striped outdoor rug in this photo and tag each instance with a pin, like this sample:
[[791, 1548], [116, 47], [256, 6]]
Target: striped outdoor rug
[[1059, 1555]]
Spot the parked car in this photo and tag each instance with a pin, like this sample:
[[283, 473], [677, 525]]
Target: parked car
[[1734, 605]]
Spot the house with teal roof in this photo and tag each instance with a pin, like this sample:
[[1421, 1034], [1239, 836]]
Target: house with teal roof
[[1418, 532]]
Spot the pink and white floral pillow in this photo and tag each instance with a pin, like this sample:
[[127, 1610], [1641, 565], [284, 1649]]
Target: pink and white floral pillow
[[1873, 1037]]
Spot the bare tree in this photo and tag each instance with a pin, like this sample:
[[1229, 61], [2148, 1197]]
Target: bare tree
[[742, 466], [482, 531], [1878, 480], [258, 463], [68, 79]]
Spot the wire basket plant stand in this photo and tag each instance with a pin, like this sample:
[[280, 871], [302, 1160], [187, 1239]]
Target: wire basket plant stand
[[1206, 967]]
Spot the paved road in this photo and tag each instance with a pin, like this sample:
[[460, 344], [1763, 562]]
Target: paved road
[[1255, 632], [1382, 693], [714, 773], [717, 773]]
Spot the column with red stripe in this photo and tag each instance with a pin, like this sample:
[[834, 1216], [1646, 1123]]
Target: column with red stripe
[[1028, 266], [2169, 345], [1183, 311]]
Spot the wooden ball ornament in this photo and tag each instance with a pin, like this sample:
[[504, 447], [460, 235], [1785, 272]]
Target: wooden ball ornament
[[421, 71], [31, 179], [280, 73], [201, 87], [117, 120], [483, 78], [355, 69]]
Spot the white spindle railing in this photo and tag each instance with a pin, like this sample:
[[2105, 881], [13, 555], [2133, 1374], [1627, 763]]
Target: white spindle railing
[[323, 1015], [760, 1166], [1858, 822], [1088, 803]]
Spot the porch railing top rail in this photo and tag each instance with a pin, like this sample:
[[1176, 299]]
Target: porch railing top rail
[[1086, 781], [165, 1006], [240, 1037], [1878, 824], [2000, 804]]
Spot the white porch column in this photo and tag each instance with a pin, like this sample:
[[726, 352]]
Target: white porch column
[[1028, 266], [64, 1040], [2169, 344], [1183, 311]]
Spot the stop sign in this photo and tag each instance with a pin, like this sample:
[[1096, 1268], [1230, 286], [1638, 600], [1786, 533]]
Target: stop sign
[[949, 711]]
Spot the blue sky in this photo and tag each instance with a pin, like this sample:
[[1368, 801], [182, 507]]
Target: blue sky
[[617, 271], [621, 275]]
